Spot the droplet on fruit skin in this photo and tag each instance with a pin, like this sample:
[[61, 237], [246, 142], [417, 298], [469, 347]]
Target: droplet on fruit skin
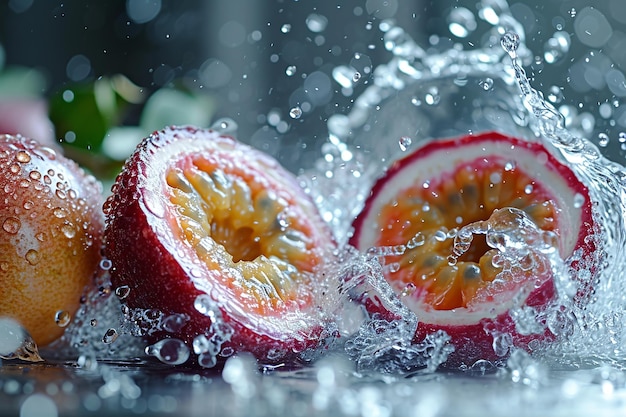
[[32, 256], [62, 318], [23, 157], [11, 225]]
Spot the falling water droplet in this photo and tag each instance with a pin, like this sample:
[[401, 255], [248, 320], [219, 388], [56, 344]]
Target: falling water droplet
[[169, 351], [603, 139], [405, 143], [510, 43], [110, 336], [486, 84], [295, 112], [290, 70], [122, 291]]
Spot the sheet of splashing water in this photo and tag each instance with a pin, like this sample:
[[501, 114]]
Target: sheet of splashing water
[[584, 374]]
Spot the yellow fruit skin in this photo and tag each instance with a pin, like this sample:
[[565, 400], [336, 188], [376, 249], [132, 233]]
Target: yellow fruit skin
[[51, 229]]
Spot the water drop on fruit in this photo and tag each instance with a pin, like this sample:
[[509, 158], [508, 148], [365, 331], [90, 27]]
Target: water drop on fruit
[[32, 256], [68, 231], [405, 142], [11, 225], [62, 318]]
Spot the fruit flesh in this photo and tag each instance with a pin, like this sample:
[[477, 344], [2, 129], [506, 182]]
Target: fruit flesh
[[466, 195], [231, 218], [50, 236], [443, 172]]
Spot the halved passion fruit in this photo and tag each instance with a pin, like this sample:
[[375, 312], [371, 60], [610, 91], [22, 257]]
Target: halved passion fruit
[[443, 217], [216, 245]]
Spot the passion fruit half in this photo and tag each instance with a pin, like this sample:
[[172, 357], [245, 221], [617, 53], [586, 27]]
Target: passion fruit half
[[220, 242], [431, 215]]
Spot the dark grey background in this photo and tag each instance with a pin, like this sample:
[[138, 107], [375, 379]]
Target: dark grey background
[[185, 34]]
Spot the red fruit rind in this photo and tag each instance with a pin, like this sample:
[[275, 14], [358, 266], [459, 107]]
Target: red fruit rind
[[195, 213], [50, 240], [473, 317]]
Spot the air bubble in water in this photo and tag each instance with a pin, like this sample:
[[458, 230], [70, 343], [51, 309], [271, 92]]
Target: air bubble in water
[[286, 28], [169, 351]]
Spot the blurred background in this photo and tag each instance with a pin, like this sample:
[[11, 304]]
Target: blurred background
[[112, 71]]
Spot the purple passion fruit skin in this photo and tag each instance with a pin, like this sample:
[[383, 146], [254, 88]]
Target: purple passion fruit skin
[[207, 229], [451, 183]]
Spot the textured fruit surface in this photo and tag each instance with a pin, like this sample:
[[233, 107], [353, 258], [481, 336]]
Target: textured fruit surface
[[475, 183], [206, 228], [50, 239]]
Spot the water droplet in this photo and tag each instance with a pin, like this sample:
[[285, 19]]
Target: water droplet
[[291, 70], [486, 84], [316, 22], [122, 291], [502, 343], [23, 156], [105, 264], [200, 344], [175, 322], [59, 212], [62, 318], [32, 256], [603, 139], [528, 189], [205, 305], [579, 200], [110, 336], [405, 142], [11, 225], [35, 175], [93, 322], [68, 230], [356, 76], [295, 112], [510, 43], [169, 351]]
